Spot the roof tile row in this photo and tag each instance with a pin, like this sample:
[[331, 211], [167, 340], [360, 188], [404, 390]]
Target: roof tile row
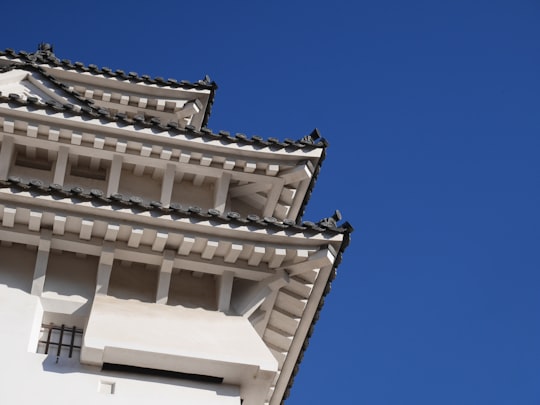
[[47, 57], [138, 204], [171, 127]]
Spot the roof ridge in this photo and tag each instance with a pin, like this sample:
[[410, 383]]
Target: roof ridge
[[194, 212], [44, 55]]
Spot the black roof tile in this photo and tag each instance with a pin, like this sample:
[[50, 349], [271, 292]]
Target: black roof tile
[[96, 195], [48, 57], [155, 123]]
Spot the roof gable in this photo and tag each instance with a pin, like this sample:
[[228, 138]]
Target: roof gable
[[32, 85], [182, 102]]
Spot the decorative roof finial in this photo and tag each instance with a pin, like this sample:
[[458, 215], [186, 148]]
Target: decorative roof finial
[[331, 221], [313, 137], [45, 47], [44, 51]]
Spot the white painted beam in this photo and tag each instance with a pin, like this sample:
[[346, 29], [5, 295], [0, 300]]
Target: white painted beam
[[160, 241], [167, 184], [251, 300], [59, 225], [135, 237], [115, 171], [260, 318], [40, 268], [301, 255], [256, 255], [86, 229], [8, 219], [257, 201], [272, 200], [232, 255], [61, 164], [34, 221], [165, 154], [321, 258], [184, 157], [146, 151], [106, 260], [157, 173], [32, 131], [138, 170], [272, 170], [94, 163], [277, 258], [6, 156], [297, 203], [111, 233], [54, 134], [99, 142], [186, 246], [51, 155], [229, 164], [164, 277], [31, 152], [250, 167], [206, 160], [76, 138], [198, 180], [9, 126], [221, 191], [281, 211], [298, 173], [210, 249], [121, 147], [224, 290], [240, 191]]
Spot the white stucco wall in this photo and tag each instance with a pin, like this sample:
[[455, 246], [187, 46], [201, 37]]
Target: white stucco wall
[[122, 330], [27, 375]]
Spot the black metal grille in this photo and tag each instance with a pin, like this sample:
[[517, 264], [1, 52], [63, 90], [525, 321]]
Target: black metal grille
[[60, 340]]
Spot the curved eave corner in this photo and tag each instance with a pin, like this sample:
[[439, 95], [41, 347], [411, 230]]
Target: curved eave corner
[[346, 241]]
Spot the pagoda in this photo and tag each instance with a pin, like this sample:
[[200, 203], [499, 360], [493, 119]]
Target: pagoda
[[144, 257]]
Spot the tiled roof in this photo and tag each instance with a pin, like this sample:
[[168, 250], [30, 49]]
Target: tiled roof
[[45, 55], [137, 205], [311, 141], [52, 82], [48, 57]]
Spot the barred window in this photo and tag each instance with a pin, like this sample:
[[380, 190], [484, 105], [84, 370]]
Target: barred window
[[61, 341]]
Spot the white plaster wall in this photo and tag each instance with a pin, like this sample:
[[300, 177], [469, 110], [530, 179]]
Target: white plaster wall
[[185, 193], [195, 334], [242, 208], [194, 341], [133, 281], [192, 291], [27, 377], [17, 266], [69, 289], [84, 182], [121, 331], [29, 173], [141, 186]]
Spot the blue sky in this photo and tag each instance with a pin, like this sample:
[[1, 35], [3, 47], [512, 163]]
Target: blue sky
[[432, 112]]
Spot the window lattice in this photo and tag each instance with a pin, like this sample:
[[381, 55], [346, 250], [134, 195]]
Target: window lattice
[[60, 341]]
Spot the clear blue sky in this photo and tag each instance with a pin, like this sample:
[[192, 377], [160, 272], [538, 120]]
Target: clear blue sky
[[432, 111]]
